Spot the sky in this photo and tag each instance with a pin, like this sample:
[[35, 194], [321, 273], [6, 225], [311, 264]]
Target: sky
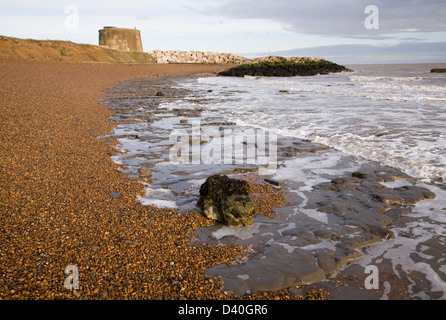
[[345, 31]]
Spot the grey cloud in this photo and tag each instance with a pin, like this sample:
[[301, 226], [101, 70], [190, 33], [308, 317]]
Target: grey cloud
[[343, 18], [414, 52]]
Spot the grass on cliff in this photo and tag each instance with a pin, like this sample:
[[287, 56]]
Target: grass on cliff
[[316, 63], [14, 48]]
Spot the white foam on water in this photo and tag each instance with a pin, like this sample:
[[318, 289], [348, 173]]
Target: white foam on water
[[443, 268], [398, 252], [434, 209], [286, 246], [242, 232], [159, 203], [243, 276], [387, 289], [309, 170], [411, 253], [397, 120], [324, 244], [288, 227], [394, 117], [154, 197]]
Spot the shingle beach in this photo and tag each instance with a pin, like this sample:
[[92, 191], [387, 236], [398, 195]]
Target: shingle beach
[[63, 201]]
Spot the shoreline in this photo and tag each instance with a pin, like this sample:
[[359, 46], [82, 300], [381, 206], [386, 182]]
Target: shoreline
[[343, 284], [65, 203]]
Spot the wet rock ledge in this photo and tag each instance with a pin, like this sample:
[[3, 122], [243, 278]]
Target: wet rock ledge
[[361, 210]]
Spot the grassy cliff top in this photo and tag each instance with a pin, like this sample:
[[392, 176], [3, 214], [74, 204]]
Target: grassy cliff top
[[14, 48]]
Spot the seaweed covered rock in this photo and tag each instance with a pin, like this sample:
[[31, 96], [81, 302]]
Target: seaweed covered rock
[[438, 70], [284, 67], [226, 200]]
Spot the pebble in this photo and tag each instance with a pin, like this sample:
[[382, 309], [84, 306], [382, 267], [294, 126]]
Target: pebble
[[59, 201]]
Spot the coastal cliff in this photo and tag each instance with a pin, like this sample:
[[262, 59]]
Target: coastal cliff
[[58, 50], [30, 49]]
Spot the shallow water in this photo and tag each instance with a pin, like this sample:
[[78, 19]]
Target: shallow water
[[380, 119], [392, 114]]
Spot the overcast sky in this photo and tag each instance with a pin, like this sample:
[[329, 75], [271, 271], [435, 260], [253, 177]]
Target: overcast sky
[[342, 29]]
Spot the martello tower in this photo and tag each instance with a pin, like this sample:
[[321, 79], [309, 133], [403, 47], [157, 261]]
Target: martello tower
[[120, 39]]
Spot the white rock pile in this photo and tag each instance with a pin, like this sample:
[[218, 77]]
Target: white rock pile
[[196, 57]]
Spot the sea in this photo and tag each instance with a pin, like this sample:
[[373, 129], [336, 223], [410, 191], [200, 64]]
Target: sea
[[375, 116]]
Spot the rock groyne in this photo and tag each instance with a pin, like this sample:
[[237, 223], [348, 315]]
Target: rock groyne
[[175, 56], [263, 66]]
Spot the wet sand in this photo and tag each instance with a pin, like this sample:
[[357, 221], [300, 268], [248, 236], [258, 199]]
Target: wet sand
[[63, 201]]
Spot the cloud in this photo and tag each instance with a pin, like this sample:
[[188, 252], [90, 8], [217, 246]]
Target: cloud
[[413, 52], [344, 18], [231, 25]]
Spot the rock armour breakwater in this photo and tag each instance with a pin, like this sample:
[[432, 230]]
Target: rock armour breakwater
[[174, 56], [263, 66]]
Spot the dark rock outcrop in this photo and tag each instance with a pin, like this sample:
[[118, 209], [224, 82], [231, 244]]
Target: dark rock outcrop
[[438, 70], [284, 67], [226, 200]]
